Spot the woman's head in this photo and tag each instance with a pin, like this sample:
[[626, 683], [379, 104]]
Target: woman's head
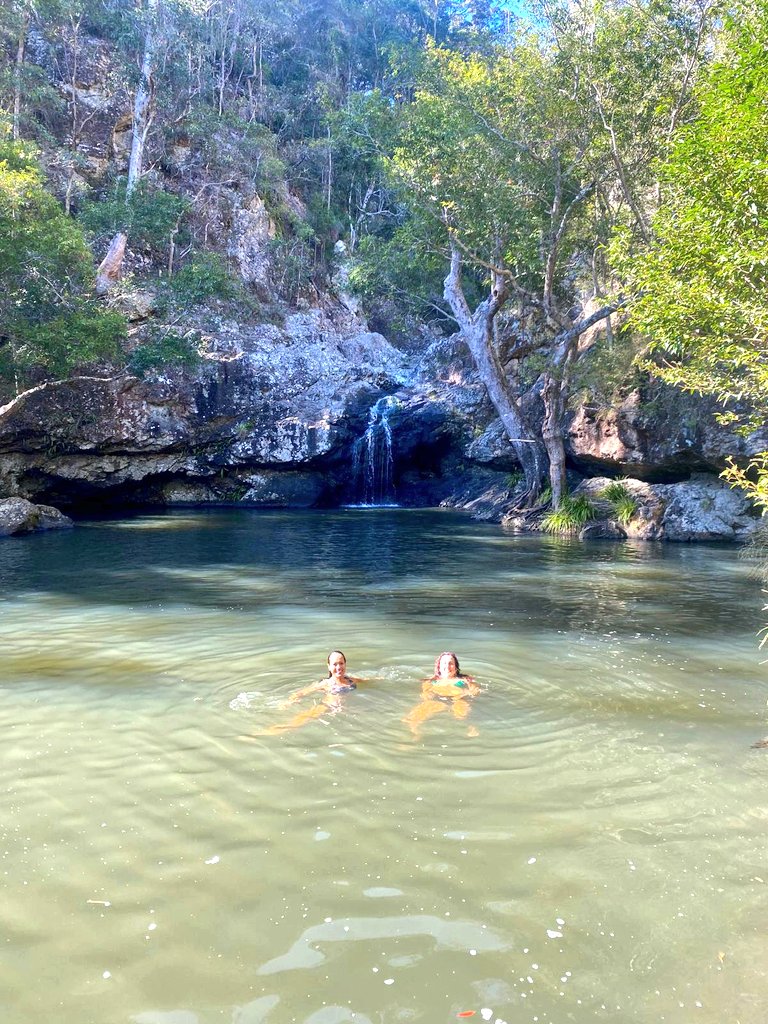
[[446, 665], [337, 663]]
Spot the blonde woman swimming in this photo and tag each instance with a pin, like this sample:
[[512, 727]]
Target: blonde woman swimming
[[448, 689]]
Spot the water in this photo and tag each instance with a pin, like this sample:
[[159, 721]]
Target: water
[[596, 853], [373, 462]]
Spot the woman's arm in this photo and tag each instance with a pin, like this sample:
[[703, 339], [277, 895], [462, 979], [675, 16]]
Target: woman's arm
[[305, 691]]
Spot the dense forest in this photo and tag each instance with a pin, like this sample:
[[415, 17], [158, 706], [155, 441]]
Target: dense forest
[[580, 188]]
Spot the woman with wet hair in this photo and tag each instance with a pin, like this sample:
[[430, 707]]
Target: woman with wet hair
[[328, 692], [449, 689]]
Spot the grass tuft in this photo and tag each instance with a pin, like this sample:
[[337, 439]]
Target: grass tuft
[[623, 505], [571, 515]]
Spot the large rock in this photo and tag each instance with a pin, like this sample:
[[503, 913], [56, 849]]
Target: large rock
[[664, 437], [250, 236], [493, 448], [17, 515], [266, 397], [700, 509], [706, 508], [602, 529]]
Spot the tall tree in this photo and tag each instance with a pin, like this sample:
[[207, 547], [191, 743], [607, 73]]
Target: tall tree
[[49, 322], [109, 269], [524, 158]]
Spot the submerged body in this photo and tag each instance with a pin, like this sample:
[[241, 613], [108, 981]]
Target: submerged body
[[447, 690]]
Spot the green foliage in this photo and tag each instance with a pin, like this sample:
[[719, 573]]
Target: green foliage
[[623, 505], [608, 370], [165, 349], [204, 276], [404, 267], [701, 297], [752, 479], [81, 334], [515, 479], [571, 515], [48, 320], [701, 287], [472, 151], [148, 217], [227, 144]]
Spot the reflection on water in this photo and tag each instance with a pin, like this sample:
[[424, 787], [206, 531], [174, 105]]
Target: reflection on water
[[595, 853]]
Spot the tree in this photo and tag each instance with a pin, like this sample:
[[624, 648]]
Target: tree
[[524, 158], [109, 269], [495, 150], [50, 323], [701, 285]]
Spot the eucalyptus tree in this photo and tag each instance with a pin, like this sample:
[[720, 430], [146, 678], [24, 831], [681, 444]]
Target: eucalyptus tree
[[523, 160], [109, 268]]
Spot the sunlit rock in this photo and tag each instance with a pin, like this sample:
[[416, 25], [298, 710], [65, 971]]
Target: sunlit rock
[[17, 515], [706, 508], [699, 509], [661, 438], [264, 398], [252, 231]]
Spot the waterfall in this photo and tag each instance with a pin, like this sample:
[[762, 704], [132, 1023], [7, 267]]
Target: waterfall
[[372, 457]]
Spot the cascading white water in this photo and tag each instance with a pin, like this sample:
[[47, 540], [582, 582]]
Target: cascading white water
[[372, 457]]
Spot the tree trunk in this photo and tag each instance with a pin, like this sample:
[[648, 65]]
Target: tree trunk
[[477, 330], [555, 390], [20, 51], [109, 269], [553, 395], [142, 113]]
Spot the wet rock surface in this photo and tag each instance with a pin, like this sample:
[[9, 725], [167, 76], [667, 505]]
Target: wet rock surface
[[270, 397], [602, 529], [19, 516]]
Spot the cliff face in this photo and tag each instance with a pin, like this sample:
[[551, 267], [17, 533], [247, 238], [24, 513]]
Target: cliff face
[[266, 418], [662, 437], [292, 415]]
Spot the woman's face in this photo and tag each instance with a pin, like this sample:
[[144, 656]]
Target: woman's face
[[337, 665], [447, 666]]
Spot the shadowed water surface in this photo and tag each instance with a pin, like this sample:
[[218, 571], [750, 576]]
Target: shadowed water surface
[[596, 852]]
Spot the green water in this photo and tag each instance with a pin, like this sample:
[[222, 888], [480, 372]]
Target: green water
[[596, 852]]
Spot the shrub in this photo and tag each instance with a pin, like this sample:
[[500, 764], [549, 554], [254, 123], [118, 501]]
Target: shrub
[[48, 320], [569, 516], [206, 275], [165, 349], [148, 217], [84, 333]]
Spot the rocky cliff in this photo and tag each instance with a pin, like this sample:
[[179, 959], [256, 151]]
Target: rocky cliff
[[284, 414]]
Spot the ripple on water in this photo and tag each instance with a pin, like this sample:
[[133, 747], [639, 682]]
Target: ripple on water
[[605, 819]]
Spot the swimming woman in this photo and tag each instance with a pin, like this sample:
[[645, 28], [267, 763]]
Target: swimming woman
[[328, 690], [448, 689]]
